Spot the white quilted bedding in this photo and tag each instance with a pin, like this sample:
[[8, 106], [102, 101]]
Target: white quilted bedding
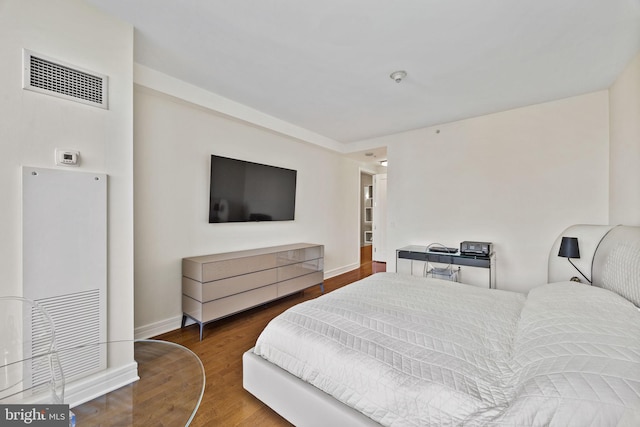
[[411, 351]]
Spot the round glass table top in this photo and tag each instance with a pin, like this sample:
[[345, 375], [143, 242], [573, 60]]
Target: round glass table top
[[168, 392]]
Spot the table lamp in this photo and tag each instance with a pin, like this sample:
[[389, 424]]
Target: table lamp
[[569, 249]]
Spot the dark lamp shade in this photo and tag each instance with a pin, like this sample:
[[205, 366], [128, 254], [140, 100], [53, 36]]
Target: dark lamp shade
[[569, 248]]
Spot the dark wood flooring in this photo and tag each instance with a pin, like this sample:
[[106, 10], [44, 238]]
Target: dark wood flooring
[[225, 402]]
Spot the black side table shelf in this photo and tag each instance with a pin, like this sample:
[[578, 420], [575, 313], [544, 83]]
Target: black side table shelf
[[423, 254]]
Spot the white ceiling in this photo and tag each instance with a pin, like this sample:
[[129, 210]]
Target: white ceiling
[[324, 65]]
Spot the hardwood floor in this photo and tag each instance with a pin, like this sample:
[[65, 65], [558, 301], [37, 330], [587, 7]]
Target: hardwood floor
[[225, 402]]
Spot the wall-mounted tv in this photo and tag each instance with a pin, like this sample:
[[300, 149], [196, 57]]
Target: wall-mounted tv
[[241, 191]]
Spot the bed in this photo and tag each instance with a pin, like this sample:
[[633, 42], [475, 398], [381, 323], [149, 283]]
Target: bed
[[400, 350]]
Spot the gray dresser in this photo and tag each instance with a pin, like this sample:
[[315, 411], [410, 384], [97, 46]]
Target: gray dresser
[[218, 285]]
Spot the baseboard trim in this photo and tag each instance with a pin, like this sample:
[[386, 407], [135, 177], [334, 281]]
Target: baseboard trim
[[85, 389], [338, 271], [157, 328]]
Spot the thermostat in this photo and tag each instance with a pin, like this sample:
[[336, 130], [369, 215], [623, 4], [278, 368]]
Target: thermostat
[[67, 157]]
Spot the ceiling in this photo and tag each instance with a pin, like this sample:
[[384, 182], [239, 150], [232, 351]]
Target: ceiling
[[324, 65]]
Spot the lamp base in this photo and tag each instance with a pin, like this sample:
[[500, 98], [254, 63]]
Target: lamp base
[[581, 273]]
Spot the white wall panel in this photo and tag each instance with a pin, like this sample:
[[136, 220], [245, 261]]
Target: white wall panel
[[64, 244], [64, 232]]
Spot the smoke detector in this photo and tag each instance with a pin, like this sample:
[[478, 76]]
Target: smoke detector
[[397, 76]]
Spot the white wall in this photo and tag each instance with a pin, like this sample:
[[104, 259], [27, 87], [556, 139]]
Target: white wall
[[516, 178], [33, 125], [173, 144], [624, 187]]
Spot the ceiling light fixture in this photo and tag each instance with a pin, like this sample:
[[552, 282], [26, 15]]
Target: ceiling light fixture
[[383, 163], [397, 76]]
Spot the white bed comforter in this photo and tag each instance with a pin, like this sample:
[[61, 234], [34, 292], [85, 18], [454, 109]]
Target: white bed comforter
[[410, 351]]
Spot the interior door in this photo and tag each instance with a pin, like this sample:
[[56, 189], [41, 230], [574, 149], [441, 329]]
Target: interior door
[[379, 217]]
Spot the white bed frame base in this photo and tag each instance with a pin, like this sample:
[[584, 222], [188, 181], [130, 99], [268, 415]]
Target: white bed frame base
[[298, 402]]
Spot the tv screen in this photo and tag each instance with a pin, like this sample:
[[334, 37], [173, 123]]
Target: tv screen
[[243, 191]]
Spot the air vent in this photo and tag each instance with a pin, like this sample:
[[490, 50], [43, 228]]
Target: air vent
[[52, 77], [77, 321]]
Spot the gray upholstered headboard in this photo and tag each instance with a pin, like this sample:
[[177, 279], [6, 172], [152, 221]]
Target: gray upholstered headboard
[[609, 256], [616, 264]]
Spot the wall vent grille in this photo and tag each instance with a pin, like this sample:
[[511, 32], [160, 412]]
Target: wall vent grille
[[45, 75], [77, 321]]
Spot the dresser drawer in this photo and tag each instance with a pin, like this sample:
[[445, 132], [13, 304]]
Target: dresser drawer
[[298, 255], [299, 283], [238, 302], [235, 267], [225, 306], [300, 269], [204, 292]]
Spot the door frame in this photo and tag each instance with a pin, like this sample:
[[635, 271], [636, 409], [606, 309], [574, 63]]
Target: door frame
[[366, 171]]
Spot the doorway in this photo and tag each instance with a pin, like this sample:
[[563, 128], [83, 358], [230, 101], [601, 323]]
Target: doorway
[[380, 218], [368, 223]]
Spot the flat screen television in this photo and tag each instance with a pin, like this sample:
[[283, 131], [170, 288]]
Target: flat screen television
[[241, 191]]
